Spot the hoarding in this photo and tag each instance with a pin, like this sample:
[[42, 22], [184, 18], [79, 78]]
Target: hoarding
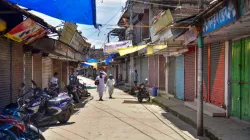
[[162, 20], [223, 17], [114, 46], [68, 32], [26, 32]]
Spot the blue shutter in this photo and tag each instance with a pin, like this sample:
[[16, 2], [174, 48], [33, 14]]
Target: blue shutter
[[180, 77]]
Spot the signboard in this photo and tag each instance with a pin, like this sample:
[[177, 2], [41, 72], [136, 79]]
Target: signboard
[[68, 32], [225, 16], [162, 20], [76, 41], [26, 32], [114, 46], [190, 36]]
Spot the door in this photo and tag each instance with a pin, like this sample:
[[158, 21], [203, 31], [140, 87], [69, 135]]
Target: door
[[240, 79], [180, 77], [235, 78]]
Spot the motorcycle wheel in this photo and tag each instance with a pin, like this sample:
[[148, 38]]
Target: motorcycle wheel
[[139, 98], [65, 116], [148, 99], [79, 94], [76, 97], [7, 135], [34, 135]]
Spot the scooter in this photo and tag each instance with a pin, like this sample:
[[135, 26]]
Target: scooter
[[82, 90], [15, 123], [142, 92]]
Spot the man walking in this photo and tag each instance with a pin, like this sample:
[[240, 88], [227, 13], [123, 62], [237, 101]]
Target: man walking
[[110, 85], [101, 84]]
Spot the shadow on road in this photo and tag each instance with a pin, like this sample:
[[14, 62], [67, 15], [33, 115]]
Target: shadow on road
[[134, 102], [183, 126]]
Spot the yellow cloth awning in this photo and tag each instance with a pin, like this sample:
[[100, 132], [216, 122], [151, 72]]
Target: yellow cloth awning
[[150, 49], [130, 50]]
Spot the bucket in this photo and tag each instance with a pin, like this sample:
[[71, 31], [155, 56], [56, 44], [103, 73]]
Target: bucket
[[154, 91]]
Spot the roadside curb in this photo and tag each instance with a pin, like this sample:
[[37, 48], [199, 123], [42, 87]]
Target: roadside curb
[[187, 120]]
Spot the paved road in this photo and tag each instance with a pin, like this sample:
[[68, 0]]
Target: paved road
[[121, 118]]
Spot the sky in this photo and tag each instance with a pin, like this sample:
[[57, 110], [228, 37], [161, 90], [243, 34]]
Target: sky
[[106, 11]]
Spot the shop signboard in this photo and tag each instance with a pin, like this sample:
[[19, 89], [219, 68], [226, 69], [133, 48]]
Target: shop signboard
[[114, 46], [77, 41], [26, 32], [162, 20], [223, 17], [190, 36], [68, 32]]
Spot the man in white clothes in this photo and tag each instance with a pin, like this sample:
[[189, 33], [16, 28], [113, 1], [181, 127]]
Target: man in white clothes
[[101, 84], [110, 85]]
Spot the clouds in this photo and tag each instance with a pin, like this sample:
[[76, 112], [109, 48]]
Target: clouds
[[105, 11]]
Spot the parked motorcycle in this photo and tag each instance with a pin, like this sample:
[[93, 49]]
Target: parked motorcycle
[[72, 90], [15, 123], [82, 90], [142, 92]]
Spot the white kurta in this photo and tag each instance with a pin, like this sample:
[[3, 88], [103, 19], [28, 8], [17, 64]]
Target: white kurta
[[101, 86]]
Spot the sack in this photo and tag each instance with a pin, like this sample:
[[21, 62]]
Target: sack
[[96, 82]]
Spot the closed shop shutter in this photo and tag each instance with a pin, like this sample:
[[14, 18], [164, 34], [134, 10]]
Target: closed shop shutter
[[205, 73], [127, 71], [144, 69], [28, 70], [17, 69], [4, 72], [180, 77], [57, 68], [37, 69], [189, 91], [156, 72], [162, 77], [217, 77], [46, 71], [171, 75], [153, 70]]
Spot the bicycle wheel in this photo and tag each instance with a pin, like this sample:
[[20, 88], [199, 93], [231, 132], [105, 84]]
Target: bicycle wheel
[[7, 135]]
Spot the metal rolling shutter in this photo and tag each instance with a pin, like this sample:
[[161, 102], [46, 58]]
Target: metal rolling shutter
[[46, 71], [151, 78], [205, 73], [171, 75], [37, 69], [162, 77], [144, 69], [156, 70], [4, 72], [217, 77], [189, 87], [28, 70], [57, 68], [180, 77], [17, 69]]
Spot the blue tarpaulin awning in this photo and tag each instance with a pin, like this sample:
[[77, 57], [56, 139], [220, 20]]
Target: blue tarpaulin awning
[[76, 11]]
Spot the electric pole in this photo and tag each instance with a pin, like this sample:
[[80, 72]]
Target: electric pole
[[131, 37], [200, 77]]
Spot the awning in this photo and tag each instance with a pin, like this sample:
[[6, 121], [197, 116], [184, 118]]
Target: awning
[[130, 50], [77, 11]]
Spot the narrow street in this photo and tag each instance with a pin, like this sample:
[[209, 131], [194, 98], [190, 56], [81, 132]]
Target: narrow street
[[121, 118]]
